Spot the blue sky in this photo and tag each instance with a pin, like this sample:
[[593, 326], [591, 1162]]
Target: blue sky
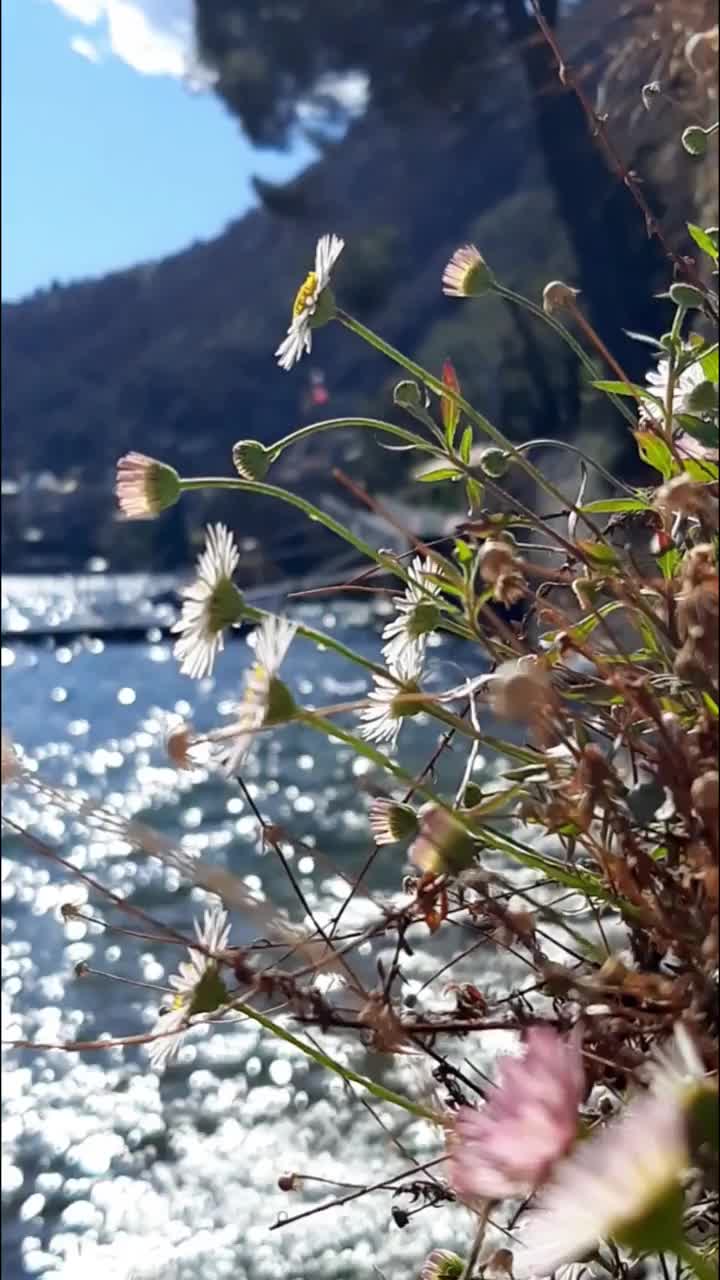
[[108, 159]]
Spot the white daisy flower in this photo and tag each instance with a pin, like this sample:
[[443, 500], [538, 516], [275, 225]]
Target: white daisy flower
[[686, 383], [677, 1072], [210, 605], [265, 701], [610, 1187], [389, 703], [314, 304], [416, 615], [198, 987]]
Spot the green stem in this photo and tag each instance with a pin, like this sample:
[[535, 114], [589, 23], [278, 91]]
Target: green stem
[[308, 508], [333, 424], [251, 614], [588, 364], [323, 1060], [584, 882], [703, 1268], [441, 389], [572, 448]]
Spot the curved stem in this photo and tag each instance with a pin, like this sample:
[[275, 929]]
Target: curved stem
[[375, 424], [324, 1060], [441, 389], [294, 500], [573, 448], [588, 364]]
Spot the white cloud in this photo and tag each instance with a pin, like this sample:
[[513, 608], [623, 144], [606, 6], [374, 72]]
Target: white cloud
[[88, 11], [154, 37], [85, 48]]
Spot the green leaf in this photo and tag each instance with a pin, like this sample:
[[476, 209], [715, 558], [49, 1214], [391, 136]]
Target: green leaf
[[585, 627], [701, 469], [607, 505], [710, 364], [450, 411], [669, 563], [463, 551], [700, 429], [475, 493], [711, 705], [598, 552], [703, 241], [630, 389], [466, 444], [442, 473], [655, 453]]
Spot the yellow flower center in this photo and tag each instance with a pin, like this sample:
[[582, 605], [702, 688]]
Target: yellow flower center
[[305, 294]]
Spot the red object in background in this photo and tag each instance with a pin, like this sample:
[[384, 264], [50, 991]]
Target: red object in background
[[319, 395]]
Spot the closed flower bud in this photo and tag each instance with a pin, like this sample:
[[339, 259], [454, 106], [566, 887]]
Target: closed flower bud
[[251, 459], [694, 140], [407, 395], [443, 845], [557, 295], [494, 463], [686, 295]]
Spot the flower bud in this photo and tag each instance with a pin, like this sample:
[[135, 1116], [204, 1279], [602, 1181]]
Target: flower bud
[[144, 487], [408, 395], [443, 845], [694, 140], [441, 1264], [686, 295], [494, 462], [557, 295], [251, 459]]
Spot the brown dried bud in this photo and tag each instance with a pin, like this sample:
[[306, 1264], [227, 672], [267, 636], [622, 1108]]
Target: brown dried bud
[[520, 690], [682, 496], [177, 745], [705, 795], [510, 588], [557, 295], [496, 557], [288, 1182]]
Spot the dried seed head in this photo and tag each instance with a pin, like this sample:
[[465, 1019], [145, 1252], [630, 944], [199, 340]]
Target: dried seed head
[[681, 496], [557, 295], [705, 795], [10, 765], [496, 557], [177, 744], [520, 690]]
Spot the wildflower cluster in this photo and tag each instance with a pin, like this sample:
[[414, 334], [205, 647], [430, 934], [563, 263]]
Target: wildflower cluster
[[591, 856]]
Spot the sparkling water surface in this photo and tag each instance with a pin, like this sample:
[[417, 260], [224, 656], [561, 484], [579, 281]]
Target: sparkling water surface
[[110, 1170]]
